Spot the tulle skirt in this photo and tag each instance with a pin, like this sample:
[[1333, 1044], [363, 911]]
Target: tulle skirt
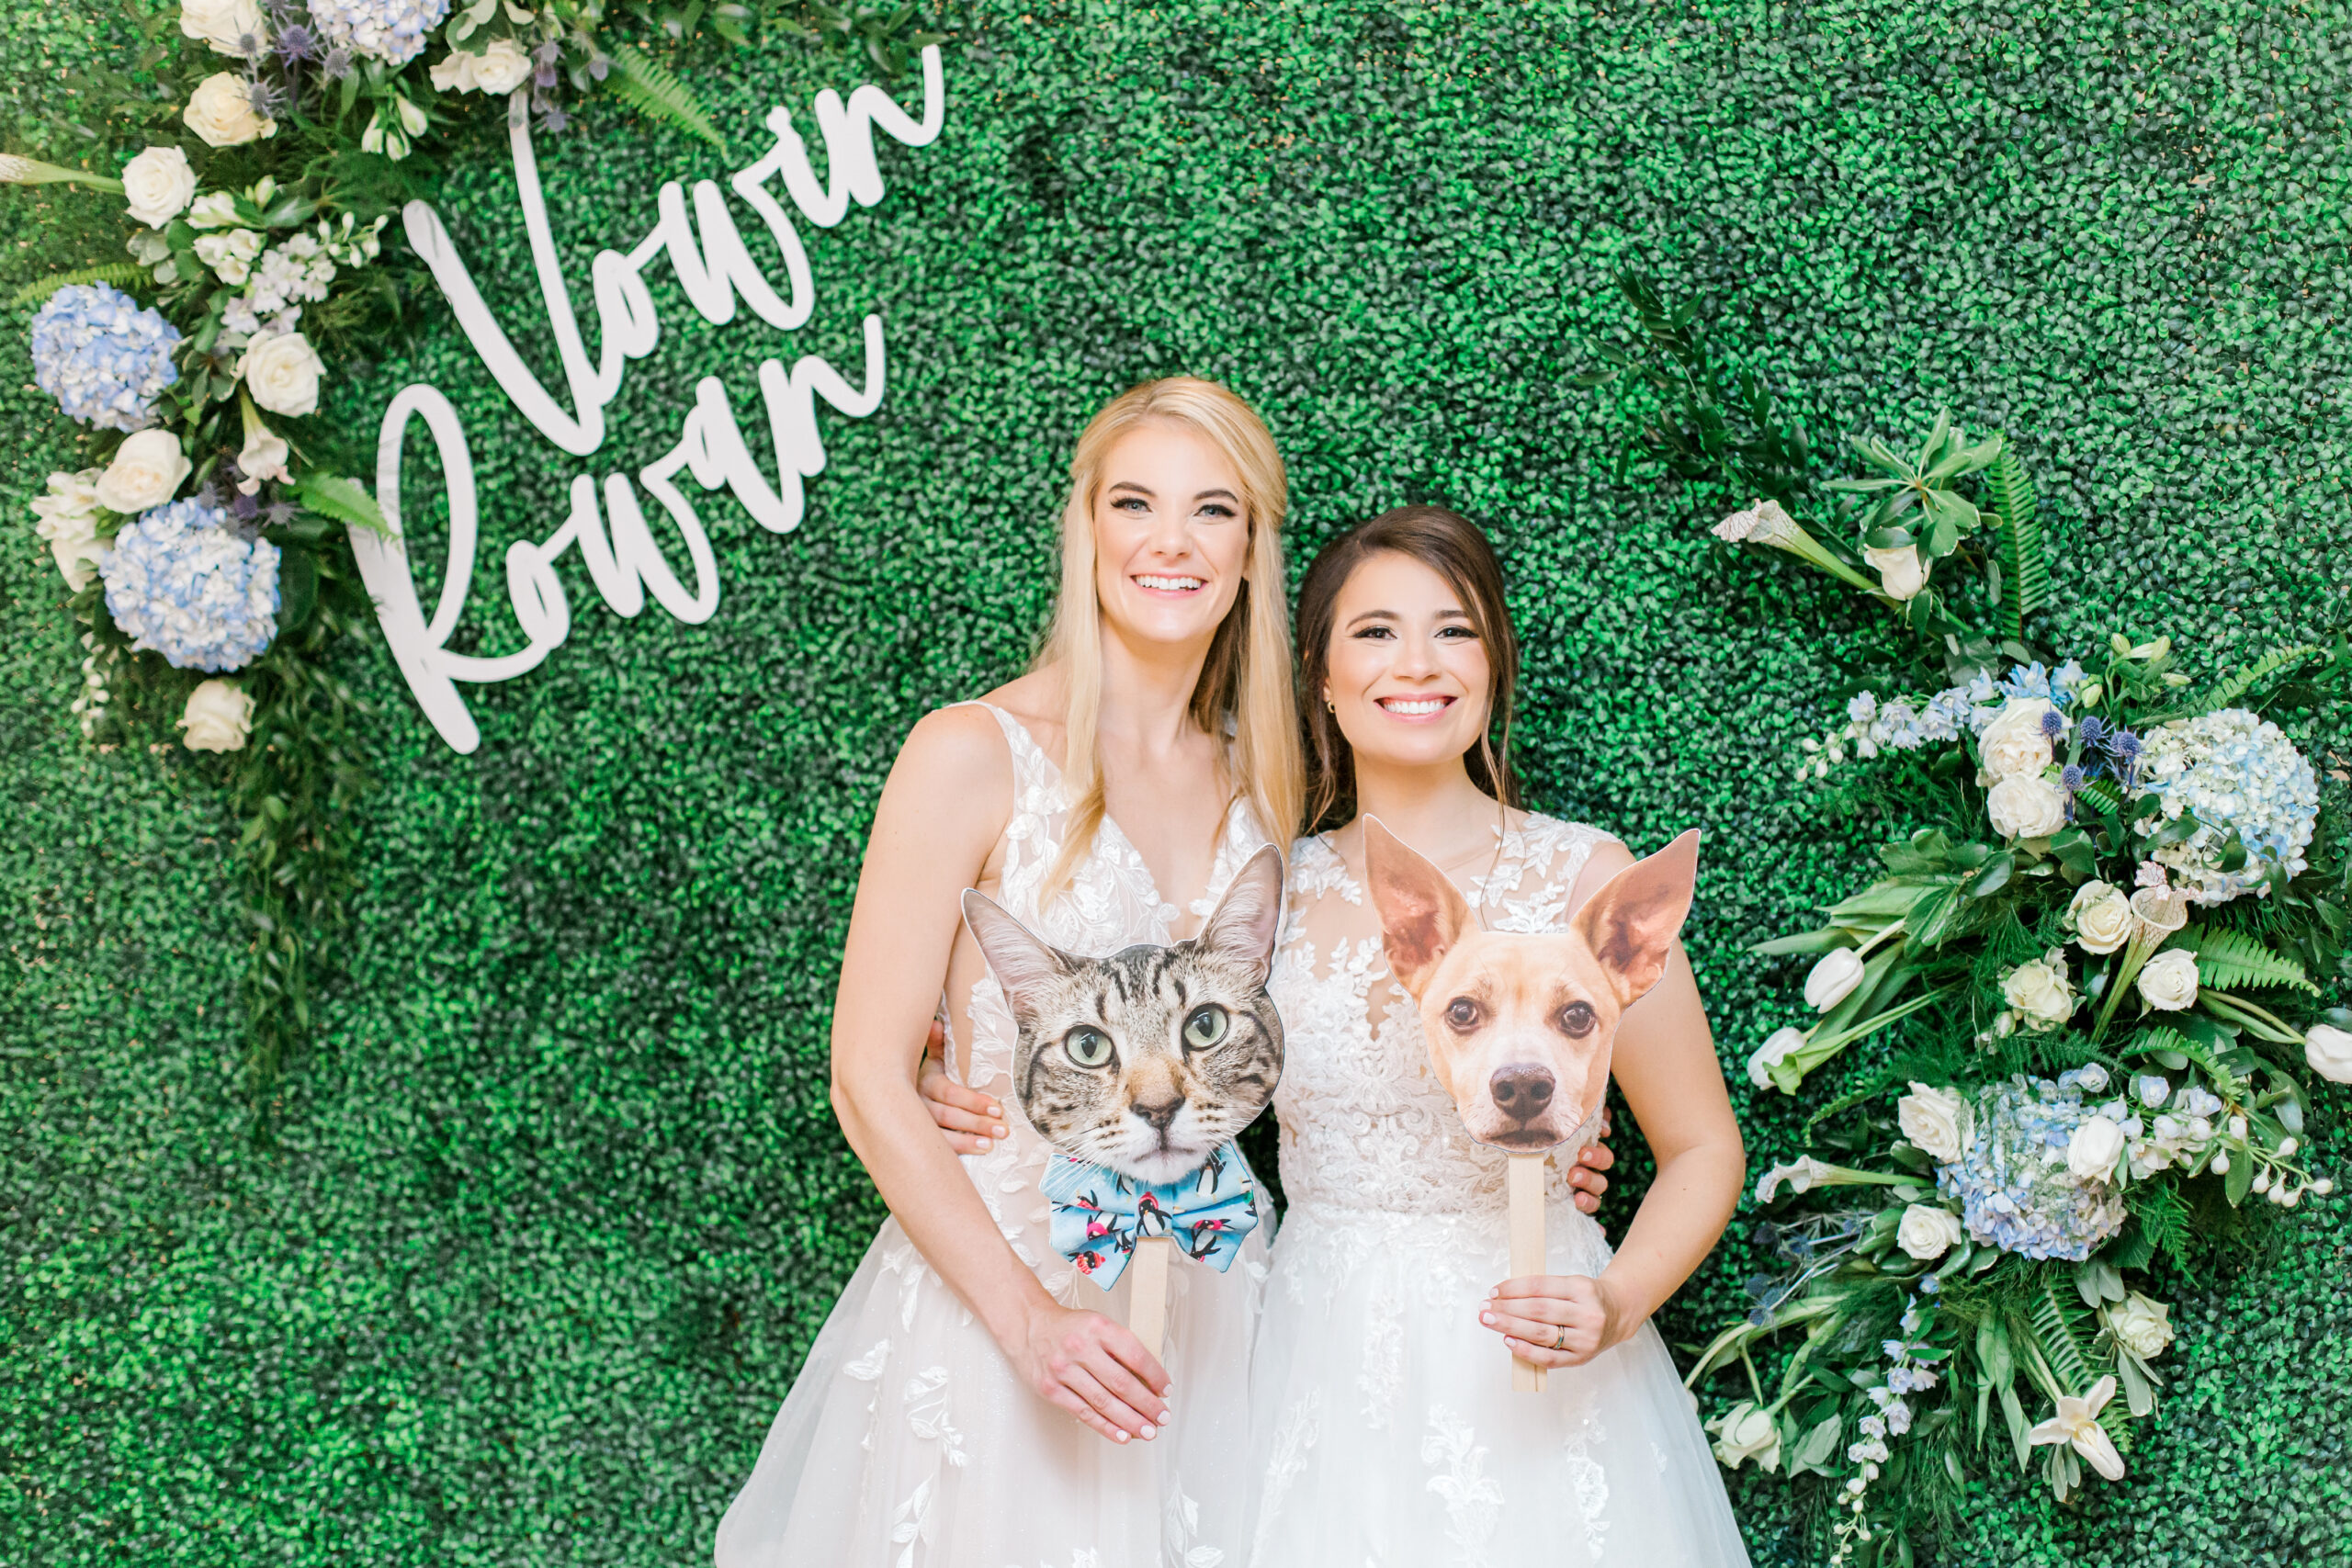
[[1386, 1433], [908, 1441]]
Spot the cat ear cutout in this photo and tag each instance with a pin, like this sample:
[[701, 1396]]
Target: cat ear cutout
[[1423, 914], [1242, 928], [1632, 922], [1021, 964]]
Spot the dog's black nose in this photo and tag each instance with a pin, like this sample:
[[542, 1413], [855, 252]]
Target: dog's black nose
[[1160, 1112], [1521, 1090]]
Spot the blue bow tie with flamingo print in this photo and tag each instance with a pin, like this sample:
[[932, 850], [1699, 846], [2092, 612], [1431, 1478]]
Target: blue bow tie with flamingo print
[[1099, 1214]]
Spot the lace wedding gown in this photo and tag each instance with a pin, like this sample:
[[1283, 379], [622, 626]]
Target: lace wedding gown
[[908, 1441], [1387, 1433]]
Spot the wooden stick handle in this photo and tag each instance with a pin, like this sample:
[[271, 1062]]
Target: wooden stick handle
[[1527, 1246], [1147, 1298]]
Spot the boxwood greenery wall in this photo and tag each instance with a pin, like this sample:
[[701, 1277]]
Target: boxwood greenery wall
[[558, 1204]]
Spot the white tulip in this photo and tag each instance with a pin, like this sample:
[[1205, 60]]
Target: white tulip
[[1926, 1233], [1900, 572], [220, 112], [1776, 1046], [2095, 1147], [2168, 981], [1936, 1120], [282, 373], [2023, 806], [158, 185], [2101, 916], [218, 718], [2327, 1049], [1833, 978], [146, 471]]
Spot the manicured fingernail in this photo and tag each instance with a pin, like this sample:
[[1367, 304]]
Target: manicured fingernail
[[1150, 1429], [999, 1131], [984, 1146], [1487, 1318], [1118, 1435]]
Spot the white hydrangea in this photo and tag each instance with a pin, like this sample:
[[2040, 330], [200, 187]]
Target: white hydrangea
[[2234, 769]]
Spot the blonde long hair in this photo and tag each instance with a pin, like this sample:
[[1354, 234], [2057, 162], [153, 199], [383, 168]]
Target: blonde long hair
[[1245, 680]]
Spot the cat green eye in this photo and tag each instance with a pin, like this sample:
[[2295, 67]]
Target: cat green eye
[[1087, 1047], [1205, 1027]]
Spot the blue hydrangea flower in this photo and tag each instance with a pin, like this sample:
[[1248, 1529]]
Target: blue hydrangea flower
[[2235, 771], [183, 582], [103, 358], [2016, 1191], [392, 30]]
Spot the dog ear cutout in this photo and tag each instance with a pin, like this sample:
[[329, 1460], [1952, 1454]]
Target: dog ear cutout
[[1242, 928], [1423, 914], [1632, 922], [1023, 965]]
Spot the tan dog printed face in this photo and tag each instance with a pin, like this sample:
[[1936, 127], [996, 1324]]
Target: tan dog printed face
[[1521, 1024]]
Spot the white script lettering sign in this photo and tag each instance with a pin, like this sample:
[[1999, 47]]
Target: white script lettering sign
[[713, 267]]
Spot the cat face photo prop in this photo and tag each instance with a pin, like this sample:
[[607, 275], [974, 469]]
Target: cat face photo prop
[[1141, 1069], [1520, 1025]]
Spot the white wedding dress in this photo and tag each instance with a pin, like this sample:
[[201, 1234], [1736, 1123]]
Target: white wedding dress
[[907, 1440], [1385, 1431]]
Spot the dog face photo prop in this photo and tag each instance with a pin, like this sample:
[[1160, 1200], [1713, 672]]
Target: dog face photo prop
[[1521, 1024]]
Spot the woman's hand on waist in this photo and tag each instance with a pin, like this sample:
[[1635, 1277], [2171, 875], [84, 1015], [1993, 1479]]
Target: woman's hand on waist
[[968, 1119]]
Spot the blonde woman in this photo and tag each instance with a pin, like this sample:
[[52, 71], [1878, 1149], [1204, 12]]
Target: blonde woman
[[971, 1402]]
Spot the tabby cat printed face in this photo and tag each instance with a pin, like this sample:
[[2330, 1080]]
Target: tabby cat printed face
[[1147, 1061]]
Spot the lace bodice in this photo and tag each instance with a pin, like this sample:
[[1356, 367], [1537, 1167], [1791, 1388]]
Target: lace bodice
[[1365, 1125], [1111, 903]]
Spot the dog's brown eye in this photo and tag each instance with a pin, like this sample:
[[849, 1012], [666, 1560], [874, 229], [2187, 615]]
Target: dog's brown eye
[[1462, 1012], [1576, 1019]]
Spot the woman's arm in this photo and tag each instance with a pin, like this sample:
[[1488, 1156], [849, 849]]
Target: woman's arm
[[946, 802], [1665, 1062]]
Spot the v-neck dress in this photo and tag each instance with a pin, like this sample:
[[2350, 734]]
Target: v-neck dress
[[908, 1440]]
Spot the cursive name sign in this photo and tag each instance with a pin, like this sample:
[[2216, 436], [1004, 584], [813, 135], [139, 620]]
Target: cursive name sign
[[606, 522]]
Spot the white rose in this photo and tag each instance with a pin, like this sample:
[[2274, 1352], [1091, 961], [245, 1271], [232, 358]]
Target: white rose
[[283, 374], [157, 183], [2327, 1049], [263, 457], [1927, 1232], [2039, 991], [2141, 1325], [230, 27], [68, 525], [2022, 807], [1833, 979], [2013, 743], [146, 471], [2168, 981], [1899, 572], [1776, 1046], [2101, 916], [1936, 1120], [498, 70], [1745, 1432], [220, 112], [218, 718], [2092, 1152]]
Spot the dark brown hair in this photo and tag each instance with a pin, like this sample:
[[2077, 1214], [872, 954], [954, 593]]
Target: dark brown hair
[[1450, 545]]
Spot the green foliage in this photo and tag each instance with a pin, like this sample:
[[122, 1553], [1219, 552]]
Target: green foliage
[[2230, 961], [654, 89], [2024, 567], [555, 1205], [122, 275]]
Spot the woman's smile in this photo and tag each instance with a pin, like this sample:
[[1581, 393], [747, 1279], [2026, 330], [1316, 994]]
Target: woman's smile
[[1417, 709]]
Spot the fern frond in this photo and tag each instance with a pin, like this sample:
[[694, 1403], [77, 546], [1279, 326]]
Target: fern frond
[[2227, 692], [2060, 1325], [654, 89], [2025, 565], [122, 275], [2230, 961]]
